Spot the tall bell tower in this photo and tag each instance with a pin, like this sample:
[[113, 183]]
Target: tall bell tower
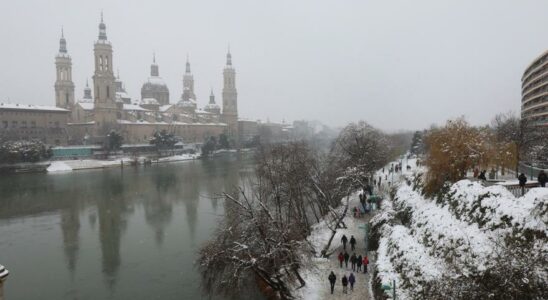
[[104, 84], [64, 87], [230, 99]]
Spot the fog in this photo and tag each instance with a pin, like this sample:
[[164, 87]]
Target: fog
[[396, 64]]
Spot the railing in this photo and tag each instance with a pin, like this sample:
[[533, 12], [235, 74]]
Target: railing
[[519, 191]]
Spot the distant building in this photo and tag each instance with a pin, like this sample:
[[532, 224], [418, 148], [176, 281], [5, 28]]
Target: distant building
[[28, 122], [534, 91], [111, 108]]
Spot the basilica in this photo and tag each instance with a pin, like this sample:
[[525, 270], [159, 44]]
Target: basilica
[[106, 106]]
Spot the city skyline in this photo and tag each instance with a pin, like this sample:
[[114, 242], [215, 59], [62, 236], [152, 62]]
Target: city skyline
[[366, 63]]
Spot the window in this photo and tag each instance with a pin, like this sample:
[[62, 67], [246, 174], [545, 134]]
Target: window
[[108, 92], [5, 124], [32, 124], [56, 124], [23, 124], [66, 98], [14, 124], [106, 63], [100, 63]]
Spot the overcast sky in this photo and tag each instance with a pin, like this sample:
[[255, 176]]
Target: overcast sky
[[397, 64]]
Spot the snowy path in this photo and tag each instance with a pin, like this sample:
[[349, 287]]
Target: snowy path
[[317, 287]]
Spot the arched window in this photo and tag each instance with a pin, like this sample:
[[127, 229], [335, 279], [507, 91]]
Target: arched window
[[108, 91], [106, 63], [100, 63], [66, 98]]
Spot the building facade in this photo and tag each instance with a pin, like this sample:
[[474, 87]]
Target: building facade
[[230, 99], [31, 122], [534, 91], [137, 120]]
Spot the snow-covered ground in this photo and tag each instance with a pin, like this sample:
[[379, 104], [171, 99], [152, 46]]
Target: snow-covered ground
[[463, 229], [318, 269], [82, 164]]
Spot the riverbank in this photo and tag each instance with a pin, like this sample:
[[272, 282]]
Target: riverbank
[[86, 164]]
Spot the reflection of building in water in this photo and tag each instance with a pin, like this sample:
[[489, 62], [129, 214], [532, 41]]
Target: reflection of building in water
[[111, 210], [70, 227], [159, 207]]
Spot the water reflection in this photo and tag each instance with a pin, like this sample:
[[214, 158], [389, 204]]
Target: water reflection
[[103, 215]]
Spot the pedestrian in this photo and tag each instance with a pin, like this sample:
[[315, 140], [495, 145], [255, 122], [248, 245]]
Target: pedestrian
[[365, 263], [341, 258], [345, 284], [362, 200], [542, 178], [481, 176], [344, 239], [332, 279], [476, 173], [352, 243], [522, 181], [353, 261], [359, 263], [346, 257], [351, 280]]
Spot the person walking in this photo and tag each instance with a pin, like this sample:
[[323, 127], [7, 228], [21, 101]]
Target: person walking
[[351, 280], [352, 243], [345, 284], [542, 178], [359, 263], [332, 280], [346, 257], [344, 240], [353, 261], [522, 181], [341, 258], [365, 263]]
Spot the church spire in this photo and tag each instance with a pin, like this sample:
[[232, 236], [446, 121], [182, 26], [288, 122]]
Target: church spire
[[102, 29], [211, 97], [154, 67], [62, 43], [187, 70], [229, 57]]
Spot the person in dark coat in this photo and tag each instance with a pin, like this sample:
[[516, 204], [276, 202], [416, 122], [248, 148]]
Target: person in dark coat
[[353, 261], [341, 258], [482, 175], [365, 263], [522, 181], [346, 257], [344, 239], [352, 243], [542, 178], [351, 280], [359, 263], [363, 197], [332, 280], [345, 284]]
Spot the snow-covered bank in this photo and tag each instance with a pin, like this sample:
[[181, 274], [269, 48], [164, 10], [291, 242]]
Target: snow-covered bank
[[58, 166], [432, 245]]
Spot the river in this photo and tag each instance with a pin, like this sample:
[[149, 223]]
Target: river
[[130, 233]]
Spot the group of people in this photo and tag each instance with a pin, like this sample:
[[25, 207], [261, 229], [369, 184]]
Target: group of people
[[357, 263], [351, 279], [542, 178]]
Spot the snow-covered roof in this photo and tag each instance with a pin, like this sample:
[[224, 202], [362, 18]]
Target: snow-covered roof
[[18, 106], [200, 111], [170, 123], [156, 80], [87, 105], [164, 108], [134, 107], [123, 95], [149, 101]]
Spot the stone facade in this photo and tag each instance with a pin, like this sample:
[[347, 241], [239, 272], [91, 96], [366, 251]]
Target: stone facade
[[137, 120], [28, 122]]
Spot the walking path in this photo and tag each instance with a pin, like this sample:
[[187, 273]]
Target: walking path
[[317, 287]]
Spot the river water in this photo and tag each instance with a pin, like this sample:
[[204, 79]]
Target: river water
[[130, 233]]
